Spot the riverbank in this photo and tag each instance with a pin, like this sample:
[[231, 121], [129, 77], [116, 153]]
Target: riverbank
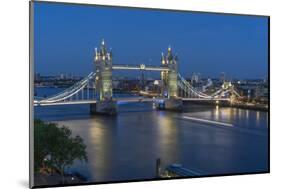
[[256, 107]]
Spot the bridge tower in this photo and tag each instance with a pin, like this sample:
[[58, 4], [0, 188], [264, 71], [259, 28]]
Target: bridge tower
[[170, 82], [103, 69], [103, 82], [169, 78], [164, 77]]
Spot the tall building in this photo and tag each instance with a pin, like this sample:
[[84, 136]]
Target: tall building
[[62, 76], [222, 77], [195, 78]]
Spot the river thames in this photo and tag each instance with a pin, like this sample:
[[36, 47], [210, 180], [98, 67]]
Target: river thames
[[126, 146]]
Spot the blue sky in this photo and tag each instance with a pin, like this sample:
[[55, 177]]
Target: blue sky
[[66, 35]]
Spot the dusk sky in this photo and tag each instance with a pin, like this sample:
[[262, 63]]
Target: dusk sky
[[66, 35]]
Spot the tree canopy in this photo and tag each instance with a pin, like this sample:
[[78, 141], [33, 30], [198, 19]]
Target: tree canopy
[[55, 148]]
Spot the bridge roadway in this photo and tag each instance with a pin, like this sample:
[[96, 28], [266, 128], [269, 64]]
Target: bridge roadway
[[128, 100]]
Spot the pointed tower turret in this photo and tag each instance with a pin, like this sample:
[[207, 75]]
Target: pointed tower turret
[[163, 61], [103, 49], [169, 54]]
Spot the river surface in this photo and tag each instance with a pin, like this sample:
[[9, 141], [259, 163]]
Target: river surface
[[126, 146]]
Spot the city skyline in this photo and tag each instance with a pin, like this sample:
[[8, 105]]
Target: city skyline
[[205, 43]]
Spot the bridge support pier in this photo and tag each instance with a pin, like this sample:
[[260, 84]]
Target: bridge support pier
[[172, 104], [106, 107]]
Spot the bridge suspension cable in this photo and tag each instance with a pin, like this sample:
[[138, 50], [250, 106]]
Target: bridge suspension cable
[[69, 92], [188, 88]]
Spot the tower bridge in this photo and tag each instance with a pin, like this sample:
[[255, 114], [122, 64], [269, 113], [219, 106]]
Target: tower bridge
[[174, 88]]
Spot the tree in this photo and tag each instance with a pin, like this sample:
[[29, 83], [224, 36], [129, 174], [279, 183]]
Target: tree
[[55, 148]]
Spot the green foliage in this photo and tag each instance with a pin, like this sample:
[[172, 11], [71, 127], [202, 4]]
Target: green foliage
[[55, 148]]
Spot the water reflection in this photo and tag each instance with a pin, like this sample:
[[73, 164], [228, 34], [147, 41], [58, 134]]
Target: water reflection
[[126, 146], [257, 116], [247, 114], [217, 113], [168, 137], [102, 145]]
